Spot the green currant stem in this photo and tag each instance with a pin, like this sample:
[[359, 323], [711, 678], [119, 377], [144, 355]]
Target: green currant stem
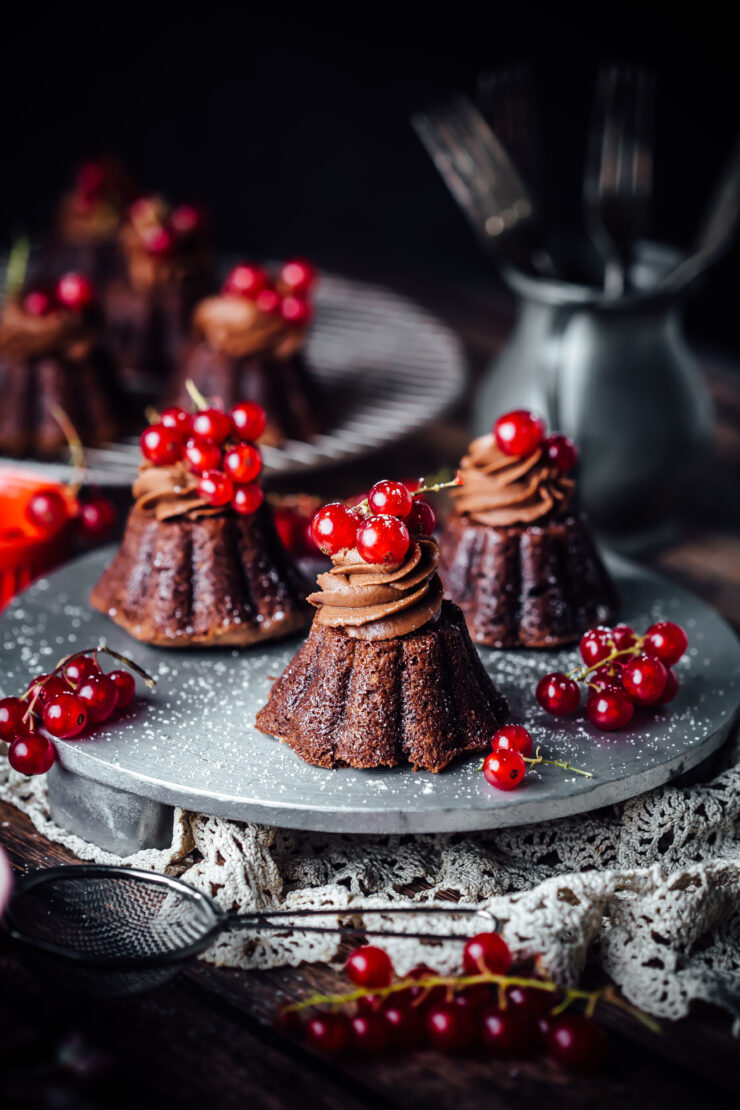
[[453, 983], [195, 395], [151, 682], [76, 450], [151, 414], [456, 481], [580, 673], [538, 758], [17, 266]]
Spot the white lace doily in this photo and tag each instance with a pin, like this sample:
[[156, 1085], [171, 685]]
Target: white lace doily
[[649, 890]]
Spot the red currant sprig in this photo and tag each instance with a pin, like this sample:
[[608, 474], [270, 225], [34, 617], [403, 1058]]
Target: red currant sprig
[[622, 672], [519, 433], [73, 291], [288, 297], [214, 445], [511, 750], [76, 693], [510, 1014]]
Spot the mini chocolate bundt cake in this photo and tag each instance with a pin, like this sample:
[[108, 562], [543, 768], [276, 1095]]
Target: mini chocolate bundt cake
[[388, 674], [201, 562], [246, 343], [167, 270], [53, 364], [520, 563]]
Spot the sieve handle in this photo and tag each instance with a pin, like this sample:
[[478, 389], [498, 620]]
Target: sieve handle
[[284, 920]]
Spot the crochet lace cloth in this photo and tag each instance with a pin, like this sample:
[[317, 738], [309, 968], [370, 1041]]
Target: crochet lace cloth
[[648, 890]]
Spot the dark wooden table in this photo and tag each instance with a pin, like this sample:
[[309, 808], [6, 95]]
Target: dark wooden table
[[207, 1040]]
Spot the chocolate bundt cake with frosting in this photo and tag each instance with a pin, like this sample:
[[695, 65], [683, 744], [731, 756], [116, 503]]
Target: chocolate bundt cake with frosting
[[249, 345], [89, 217], [516, 557], [53, 363], [166, 266], [388, 674], [190, 572]]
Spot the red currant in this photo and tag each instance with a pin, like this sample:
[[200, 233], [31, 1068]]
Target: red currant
[[99, 696], [215, 487], [249, 420], [561, 452], [519, 432], [328, 1032], [246, 281], [125, 684], [159, 241], [504, 769], [450, 1028], [595, 646], [623, 636], [382, 539], [644, 678], [370, 1034], [477, 997], [247, 499], [558, 694], [74, 291], [178, 419], [160, 445], [530, 999], [288, 1021], [508, 1032], [334, 528], [513, 737], [187, 218], [80, 668], [486, 952], [671, 689], [390, 497], [12, 711], [295, 310], [38, 303], [666, 640], [369, 966], [65, 715], [202, 455], [291, 528], [47, 510], [609, 709], [269, 302], [31, 754], [91, 179], [97, 518], [577, 1043], [421, 521], [606, 678], [242, 463], [46, 687], [298, 275], [212, 425], [405, 1026]]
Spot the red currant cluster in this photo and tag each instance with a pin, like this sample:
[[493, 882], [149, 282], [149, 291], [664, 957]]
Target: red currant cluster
[[217, 446], [286, 297], [73, 290], [48, 510], [379, 527], [72, 696], [484, 1008], [519, 433], [511, 750], [622, 672], [161, 230]]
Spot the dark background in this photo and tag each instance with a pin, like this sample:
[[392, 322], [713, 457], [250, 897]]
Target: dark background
[[290, 121]]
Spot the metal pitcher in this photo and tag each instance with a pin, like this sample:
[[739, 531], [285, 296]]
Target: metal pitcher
[[617, 376]]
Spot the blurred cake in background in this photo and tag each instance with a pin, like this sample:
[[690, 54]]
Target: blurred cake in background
[[247, 343], [517, 556], [55, 370], [166, 270], [88, 218]]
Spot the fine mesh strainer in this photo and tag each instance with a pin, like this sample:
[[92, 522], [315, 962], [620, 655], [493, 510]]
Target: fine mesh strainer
[[114, 930]]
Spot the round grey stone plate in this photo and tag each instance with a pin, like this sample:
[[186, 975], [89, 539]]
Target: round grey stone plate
[[192, 742]]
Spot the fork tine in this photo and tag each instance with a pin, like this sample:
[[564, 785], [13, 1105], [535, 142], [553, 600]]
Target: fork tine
[[493, 158], [644, 123]]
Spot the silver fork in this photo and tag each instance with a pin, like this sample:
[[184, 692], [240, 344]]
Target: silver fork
[[507, 101], [619, 167], [480, 175]]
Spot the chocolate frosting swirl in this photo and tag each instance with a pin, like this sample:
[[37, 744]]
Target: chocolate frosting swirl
[[376, 602], [170, 492], [23, 335], [499, 489], [187, 260], [237, 327]]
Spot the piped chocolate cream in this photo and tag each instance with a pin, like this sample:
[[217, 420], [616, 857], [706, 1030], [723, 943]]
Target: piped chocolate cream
[[377, 602], [499, 489], [237, 327], [170, 492], [24, 335]]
